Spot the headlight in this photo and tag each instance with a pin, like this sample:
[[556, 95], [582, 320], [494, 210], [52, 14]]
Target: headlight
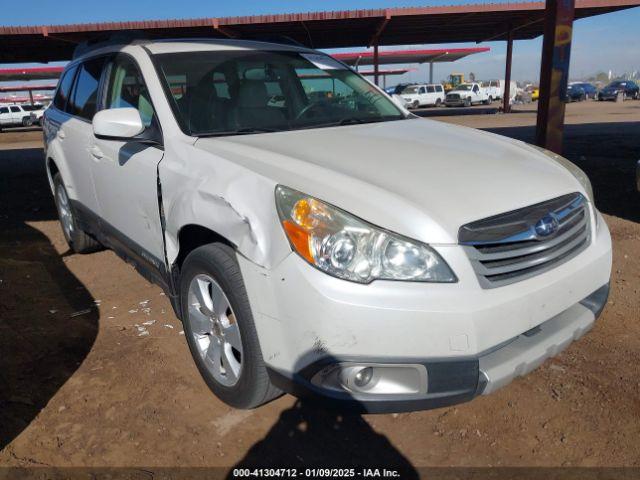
[[346, 247], [573, 169]]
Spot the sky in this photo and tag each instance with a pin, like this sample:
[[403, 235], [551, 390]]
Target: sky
[[603, 43]]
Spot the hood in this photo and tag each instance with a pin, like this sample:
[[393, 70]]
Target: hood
[[420, 178]]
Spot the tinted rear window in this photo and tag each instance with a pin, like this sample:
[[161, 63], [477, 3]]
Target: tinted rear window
[[62, 95], [85, 92]]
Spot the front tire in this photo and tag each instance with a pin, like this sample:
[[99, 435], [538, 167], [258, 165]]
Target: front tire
[[467, 102], [77, 239], [220, 330]]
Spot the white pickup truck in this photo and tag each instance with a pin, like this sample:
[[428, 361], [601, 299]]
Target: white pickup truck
[[467, 94]]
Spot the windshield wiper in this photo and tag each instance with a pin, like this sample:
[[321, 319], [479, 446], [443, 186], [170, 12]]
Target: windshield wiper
[[240, 131], [352, 121], [355, 120]]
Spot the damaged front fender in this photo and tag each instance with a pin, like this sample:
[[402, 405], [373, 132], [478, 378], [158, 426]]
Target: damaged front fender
[[224, 197]]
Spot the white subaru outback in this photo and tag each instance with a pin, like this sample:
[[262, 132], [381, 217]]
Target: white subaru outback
[[315, 238]]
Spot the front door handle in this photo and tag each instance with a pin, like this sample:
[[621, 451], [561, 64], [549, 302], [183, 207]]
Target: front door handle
[[61, 134], [96, 152]]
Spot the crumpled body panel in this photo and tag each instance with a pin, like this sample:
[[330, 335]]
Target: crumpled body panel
[[201, 189]]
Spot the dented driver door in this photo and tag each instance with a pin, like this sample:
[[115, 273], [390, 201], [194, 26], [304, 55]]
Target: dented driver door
[[126, 174]]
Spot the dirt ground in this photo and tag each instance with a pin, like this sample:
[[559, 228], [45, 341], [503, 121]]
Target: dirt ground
[[95, 370]]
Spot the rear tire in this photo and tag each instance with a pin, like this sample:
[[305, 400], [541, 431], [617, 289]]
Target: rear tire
[[438, 102], [221, 334], [77, 239]]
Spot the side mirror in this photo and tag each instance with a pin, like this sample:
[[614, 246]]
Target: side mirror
[[117, 124]]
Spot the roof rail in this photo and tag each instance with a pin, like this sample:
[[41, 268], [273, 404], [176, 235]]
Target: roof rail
[[281, 39], [117, 38]]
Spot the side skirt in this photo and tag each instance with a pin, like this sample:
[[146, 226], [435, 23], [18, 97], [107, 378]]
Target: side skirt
[[148, 265]]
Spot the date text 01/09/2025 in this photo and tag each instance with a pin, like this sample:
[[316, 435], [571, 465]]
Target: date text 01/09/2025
[[315, 473]]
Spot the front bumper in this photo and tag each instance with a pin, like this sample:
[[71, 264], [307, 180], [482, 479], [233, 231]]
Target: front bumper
[[452, 381]]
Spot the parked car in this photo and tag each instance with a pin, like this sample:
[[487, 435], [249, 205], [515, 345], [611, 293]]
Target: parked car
[[35, 113], [575, 94], [14, 115], [467, 94], [428, 95], [342, 249], [397, 89], [590, 90], [628, 89]]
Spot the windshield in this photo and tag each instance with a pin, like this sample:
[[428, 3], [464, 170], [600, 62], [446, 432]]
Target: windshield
[[411, 89], [463, 86], [245, 91], [616, 84]]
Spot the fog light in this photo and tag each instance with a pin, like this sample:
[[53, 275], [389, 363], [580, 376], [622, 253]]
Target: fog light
[[372, 379], [363, 377]]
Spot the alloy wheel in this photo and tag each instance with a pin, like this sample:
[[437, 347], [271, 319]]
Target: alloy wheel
[[64, 211], [215, 330]]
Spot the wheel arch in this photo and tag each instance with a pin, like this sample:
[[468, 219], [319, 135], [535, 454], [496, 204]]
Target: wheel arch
[[52, 169], [192, 236]]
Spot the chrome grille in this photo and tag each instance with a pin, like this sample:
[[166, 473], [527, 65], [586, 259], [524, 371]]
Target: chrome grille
[[516, 245]]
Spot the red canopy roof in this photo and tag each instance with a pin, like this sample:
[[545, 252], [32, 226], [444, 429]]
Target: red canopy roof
[[30, 73], [391, 57], [338, 29]]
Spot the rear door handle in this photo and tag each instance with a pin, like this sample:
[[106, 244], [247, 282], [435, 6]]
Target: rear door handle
[[96, 152]]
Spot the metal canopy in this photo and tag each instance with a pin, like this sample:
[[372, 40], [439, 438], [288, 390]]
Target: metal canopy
[[408, 56], [392, 26], [30, 73], [26, 88]]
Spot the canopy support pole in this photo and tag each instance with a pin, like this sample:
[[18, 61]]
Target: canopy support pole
[[506, 95], [554, 73]]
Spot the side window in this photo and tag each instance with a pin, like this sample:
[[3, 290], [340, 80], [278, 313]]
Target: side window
[[423, 90], [475, 88], [431, 89], [62, 95], [15, 109], [127, 89], [438, 88], [84, 99], [4, 110]]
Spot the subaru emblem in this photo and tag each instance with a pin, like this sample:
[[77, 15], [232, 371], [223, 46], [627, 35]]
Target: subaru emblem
[[546, 225]]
